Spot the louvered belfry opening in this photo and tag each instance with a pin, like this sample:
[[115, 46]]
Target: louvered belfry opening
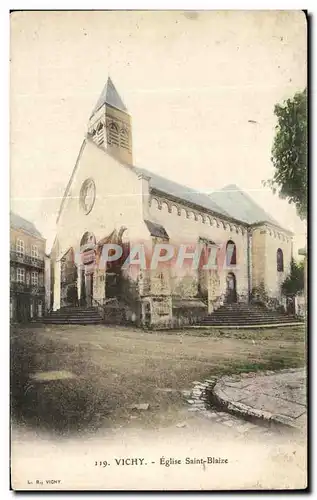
[[100, 135], [113, 134], [124, 139], [110, 124]]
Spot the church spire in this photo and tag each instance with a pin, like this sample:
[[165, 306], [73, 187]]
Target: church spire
[[110, 124], [110, 96]]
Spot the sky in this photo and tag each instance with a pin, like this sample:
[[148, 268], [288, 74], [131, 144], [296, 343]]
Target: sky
[[200, 87]]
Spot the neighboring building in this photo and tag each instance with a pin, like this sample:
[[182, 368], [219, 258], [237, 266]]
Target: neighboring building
[[108, 199], [27, 251]]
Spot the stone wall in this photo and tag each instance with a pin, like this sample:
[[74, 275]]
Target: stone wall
[[274, 278], [258, 257], [99, 285], [186, 225], [266, 279]]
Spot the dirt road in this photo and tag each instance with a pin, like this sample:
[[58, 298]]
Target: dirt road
[[113, 369]]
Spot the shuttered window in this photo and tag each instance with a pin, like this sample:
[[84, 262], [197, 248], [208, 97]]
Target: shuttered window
[[113, 134], [100, 135], [124, 138]]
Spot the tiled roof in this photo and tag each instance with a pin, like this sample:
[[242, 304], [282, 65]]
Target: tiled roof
[[241, 206], [180, 191], [19, 222], [230, 201]]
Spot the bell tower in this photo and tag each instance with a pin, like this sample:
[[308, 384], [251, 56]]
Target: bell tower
[[110, 124]]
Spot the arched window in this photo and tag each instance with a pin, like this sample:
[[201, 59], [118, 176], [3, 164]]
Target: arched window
[[124, 138], [208, 252], [279, 260], [100, 135], [231, 253], [88, 238], [113, 134]]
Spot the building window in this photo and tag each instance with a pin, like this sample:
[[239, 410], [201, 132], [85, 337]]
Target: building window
[[20, 275], [34, 278], [87, 196], [100, 135], [39, 308], [20, 247], [279, 260], [124, 138], [208, 254], [31, 310], [11, 309], [231, 253], [34, 252], [113, 134]]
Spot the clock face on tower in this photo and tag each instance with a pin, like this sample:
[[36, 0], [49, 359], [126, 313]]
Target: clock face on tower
[[87, 195]]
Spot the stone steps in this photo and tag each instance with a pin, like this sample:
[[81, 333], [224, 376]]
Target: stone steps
[[246, 314], [75, 321], [237, 317], [74, 316], [84, 316]]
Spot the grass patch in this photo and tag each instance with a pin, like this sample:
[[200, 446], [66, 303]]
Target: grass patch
[[292, 333], [274, 363]]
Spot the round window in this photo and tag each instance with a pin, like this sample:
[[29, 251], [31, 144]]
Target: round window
[[87, 195]]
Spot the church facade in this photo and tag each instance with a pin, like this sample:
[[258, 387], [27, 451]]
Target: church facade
[[110, 201]]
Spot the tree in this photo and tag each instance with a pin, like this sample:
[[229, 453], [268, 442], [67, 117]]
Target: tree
[[289, 152], [294, 283]]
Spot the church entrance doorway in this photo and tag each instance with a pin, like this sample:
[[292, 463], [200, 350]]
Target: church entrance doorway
[[231, 292], [113, 282]]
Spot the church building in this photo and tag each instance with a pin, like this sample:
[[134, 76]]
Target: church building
[[109, 200]]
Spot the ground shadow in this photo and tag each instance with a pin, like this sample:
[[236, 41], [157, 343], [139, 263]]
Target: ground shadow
[[61, 406]]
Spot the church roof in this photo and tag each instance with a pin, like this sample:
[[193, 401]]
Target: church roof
[[230, 201], [110, 96], [240, 205], [182, 192], [19, 222]]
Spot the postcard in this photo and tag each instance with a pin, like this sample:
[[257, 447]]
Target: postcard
[[158, 250]]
